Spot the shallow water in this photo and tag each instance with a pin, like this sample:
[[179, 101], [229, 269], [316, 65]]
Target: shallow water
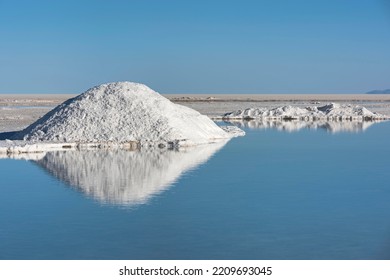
[[273, 194]]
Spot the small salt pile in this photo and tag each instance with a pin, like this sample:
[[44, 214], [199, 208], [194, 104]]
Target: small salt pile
[[328, 112]]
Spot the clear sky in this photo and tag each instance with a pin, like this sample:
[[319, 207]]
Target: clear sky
[[263, 46]]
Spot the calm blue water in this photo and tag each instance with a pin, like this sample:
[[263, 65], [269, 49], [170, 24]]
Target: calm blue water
[[272, 194]]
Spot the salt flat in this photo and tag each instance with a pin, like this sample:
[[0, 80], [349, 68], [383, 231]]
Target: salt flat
[[19, 110]]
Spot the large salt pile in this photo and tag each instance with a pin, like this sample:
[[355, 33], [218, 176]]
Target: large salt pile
[[124, 112], [329, 112]]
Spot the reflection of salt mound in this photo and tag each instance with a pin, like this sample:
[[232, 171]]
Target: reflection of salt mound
[[123, 112], [331, 112], [296, 125], [123, 177]]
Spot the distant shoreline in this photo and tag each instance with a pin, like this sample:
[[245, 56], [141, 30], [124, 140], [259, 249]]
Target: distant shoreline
[[52, 99], [277, 97]]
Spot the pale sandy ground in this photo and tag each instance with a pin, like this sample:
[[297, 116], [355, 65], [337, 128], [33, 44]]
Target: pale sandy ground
[[18, 111]]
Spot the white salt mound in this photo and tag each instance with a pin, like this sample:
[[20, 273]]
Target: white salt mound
[[330, 112], [124, 112]]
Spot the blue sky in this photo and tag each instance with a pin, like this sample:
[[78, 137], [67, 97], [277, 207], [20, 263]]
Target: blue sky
[[264, 46]]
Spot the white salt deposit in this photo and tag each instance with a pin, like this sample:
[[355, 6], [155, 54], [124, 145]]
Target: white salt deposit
[[233, 130], [124, 112], [330, 112]]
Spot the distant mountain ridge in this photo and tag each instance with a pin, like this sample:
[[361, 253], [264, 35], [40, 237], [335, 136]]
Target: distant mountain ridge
[[378, 91]]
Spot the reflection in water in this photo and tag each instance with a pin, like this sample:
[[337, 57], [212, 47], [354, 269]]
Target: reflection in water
[[295, 125], [124, 177]]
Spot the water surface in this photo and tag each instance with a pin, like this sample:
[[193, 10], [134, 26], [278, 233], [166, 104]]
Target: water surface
[[273, 194]]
